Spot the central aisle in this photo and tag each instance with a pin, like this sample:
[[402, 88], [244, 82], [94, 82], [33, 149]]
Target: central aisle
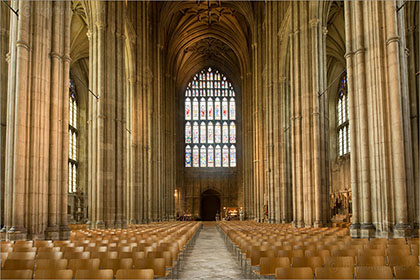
[[209, 258]]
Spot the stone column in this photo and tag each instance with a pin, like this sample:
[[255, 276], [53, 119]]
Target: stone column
[[399, 174]]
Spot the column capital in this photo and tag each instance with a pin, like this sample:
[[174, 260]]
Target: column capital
[[22, 44], [100, 25], [393, 39], [89, 34], [55, 55], [66, 58], [314, 22]]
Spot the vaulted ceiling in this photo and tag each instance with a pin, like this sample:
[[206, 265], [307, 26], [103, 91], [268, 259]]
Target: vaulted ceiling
[[206, 33]]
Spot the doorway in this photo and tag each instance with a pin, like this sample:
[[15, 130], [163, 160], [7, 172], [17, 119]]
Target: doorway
[[210, 204]]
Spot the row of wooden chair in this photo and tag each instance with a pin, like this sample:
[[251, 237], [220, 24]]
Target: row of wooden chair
[[79, 274], [362, 272], [157, 248], [261, 248]]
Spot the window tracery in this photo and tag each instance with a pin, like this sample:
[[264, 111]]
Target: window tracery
[[210, 118]]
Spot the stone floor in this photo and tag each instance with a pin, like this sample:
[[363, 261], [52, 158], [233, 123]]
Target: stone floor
[[209, 258]]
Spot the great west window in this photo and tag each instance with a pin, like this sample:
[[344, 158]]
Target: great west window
[[210, 121]]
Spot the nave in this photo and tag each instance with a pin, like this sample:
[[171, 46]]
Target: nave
[[211, 250]]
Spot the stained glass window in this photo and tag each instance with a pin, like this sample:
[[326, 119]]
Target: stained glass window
[[225, 133], [203, 157], [188, 132], [218, 156], [225, 156], [195, 109], [210, 131], [203, 133], [195, 132], [188, 156], [195, 156], [218, 133], [232, 156], [187, 109], [210, 114], [343, 131], [232, 132], [225, 109], [210, 156], [72, 184], [217, 109]]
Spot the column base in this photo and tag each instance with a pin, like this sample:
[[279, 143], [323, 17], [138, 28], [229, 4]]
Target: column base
[[3, 233], [100, 224], [300, 224], [17, 233], [402, 230], [36, 236], [89, 224], [355, 230], [118, 224], [318, 224], [52, 233], [133, 221], [64, 233], [367, 230]]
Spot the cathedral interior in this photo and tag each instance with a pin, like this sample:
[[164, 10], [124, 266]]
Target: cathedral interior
[[266, 117]]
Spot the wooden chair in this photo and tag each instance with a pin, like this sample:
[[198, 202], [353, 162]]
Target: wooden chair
[[50, 255], [73, 249], [104, 255], [406, 272], [414, 249], [294, 273], [157, 264], [43, 243], [21, 256], [368, 260], [49, 249], [24, 249], [3, 256], [268, 265], [11, 264], [372, 252], [53, 274], [120, 249], [167, 255], [334, 273], [135, 274], [16, 274], [51, 264], [402, 261], [96, 249], [397, 241], [77, 255], [318, 253], [94, 274], [374, 272], [6, 249], [116, 264], [312, 262], [79, 264], [404, 251], [334, 261], [24, 243], [345, 253]]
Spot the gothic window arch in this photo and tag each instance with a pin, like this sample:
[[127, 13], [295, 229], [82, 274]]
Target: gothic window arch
[[210, 121], [343, 132], [73, 133]]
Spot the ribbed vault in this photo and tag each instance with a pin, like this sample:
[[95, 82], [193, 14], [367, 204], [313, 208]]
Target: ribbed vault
[[206, 33]]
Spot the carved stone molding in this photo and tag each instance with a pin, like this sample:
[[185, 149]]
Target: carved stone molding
[[209, 47]]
